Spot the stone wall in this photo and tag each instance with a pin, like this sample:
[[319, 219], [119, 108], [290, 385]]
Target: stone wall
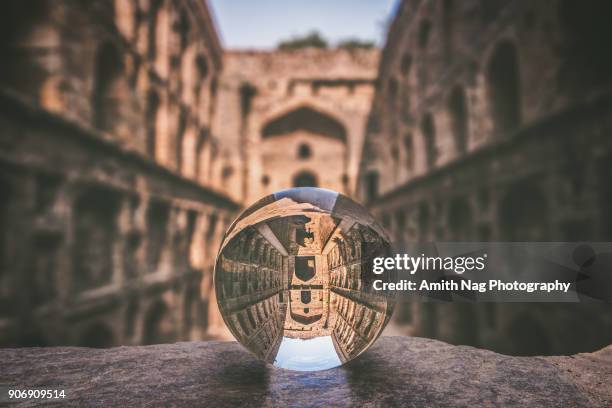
[[492, 123], [110, 221], [292, 114]]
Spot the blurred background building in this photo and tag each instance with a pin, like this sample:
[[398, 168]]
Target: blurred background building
[[110, 209], [130, 140], [492, 122]]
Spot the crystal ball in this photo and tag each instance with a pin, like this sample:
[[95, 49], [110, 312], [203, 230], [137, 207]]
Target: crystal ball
[[293, 279]]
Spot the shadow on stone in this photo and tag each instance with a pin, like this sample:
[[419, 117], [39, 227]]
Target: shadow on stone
[[369, 375]]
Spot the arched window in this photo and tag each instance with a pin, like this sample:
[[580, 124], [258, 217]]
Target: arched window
[[247, 93], [107, 90], [424, 33], [202, 67], [180, 138], [305, 296], [304, 151], [151, 122], [406, 64], [457, 107], [504, 87], [305, 179], [428, 129]]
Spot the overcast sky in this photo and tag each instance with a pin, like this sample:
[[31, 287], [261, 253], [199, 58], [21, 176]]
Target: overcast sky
[[263, 23]]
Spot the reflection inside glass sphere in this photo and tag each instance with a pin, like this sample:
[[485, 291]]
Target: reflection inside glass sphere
[[294, 277]]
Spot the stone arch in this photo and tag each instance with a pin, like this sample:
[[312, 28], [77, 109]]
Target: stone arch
[[158, 324], [458, 111], [305, 179], [305, 118], [523, 214], [428, 130], [503, 86], [97, 335], [107, 90]]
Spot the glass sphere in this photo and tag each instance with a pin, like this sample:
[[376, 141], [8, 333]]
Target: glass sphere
[[293, 279]]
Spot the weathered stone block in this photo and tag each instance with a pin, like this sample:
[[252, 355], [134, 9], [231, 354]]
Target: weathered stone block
[[396, 371]]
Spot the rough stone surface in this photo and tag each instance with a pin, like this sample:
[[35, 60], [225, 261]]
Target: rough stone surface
[[396, 371]]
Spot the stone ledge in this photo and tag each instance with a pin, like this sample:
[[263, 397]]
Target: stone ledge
[[396, 371]]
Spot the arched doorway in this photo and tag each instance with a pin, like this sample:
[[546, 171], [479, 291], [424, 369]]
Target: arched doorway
[[305, 179], [305, 268]]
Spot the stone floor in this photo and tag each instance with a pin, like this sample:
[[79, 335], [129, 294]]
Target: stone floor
[[396, 371]]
